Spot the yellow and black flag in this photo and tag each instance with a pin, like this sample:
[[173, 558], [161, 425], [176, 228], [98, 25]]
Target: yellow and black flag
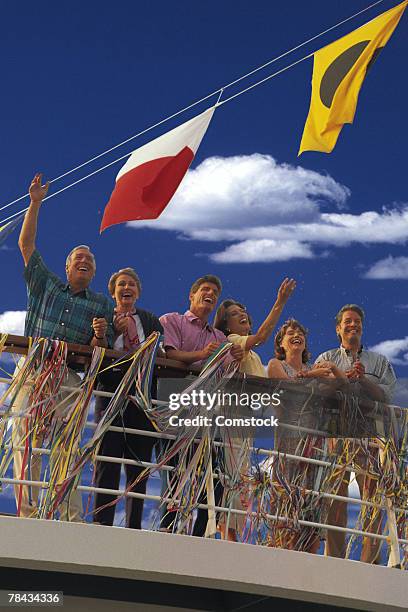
[[338, 74]]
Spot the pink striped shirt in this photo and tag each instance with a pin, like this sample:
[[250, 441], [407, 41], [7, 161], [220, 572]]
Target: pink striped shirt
[[188, 333]]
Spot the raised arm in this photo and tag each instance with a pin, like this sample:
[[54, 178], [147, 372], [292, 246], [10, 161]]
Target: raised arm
[[265, 330], [28, 232], [324, 369]]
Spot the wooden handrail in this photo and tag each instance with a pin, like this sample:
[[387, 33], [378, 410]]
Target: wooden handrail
[[81, 354]]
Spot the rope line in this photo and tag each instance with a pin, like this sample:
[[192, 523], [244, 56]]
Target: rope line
[[218, 91], [274, 74], [302, 44]]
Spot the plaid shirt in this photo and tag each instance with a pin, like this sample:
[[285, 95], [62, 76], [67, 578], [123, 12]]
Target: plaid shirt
[[55, 312]]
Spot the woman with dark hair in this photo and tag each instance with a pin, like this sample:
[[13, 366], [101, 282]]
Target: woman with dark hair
[[292, 355], [132, 326], [234, 321], [292, 362], [291, 352]]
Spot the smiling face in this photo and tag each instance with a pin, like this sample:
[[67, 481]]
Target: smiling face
[[126, 292], [204, 300], [237, 320], [293, 341], [80, 269], [350, 329]]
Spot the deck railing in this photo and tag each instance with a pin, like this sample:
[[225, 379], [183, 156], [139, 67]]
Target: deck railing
[[392, 533]]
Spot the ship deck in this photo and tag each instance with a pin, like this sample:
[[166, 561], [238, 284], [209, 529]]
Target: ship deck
[[113, 568]]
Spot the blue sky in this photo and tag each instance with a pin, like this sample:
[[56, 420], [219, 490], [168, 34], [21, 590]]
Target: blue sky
[[79, 77], [83, 77]]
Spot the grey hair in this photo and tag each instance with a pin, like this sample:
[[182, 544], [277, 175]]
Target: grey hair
[[130, 272], [80, 246]]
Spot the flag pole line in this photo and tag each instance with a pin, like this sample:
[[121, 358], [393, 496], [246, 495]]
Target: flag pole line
[[115, 161], [218, 91], [302, 44], [52, 195], [92, 159], [270, 76]]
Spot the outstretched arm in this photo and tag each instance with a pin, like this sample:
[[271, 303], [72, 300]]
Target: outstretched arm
[[189, 357], [28, 232], [324, 369], [264, 332]]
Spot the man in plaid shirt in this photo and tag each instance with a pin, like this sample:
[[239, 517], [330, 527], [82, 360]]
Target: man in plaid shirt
[[60, 310]]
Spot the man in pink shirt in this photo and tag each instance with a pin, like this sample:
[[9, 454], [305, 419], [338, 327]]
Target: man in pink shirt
[[191, 339]]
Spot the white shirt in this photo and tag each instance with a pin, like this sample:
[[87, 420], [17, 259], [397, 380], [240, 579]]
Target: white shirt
[[378, 368], [119, 346]]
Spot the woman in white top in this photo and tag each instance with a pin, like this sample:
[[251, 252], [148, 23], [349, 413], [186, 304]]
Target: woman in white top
[[234, 321]]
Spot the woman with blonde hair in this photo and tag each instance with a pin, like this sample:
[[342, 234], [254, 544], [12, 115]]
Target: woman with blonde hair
[[132, 326]]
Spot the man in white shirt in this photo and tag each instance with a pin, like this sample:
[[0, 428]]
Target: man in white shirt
[[373, 377]]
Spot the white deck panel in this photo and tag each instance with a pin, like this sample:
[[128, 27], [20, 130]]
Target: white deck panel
[[117, 552]]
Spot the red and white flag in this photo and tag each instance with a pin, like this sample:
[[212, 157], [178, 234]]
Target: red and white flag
[[151, 175]]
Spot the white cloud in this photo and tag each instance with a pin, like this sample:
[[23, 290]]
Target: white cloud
[[12, 322], [390, 267], [396, 351], [250, 251], [246, 190], [401, 392], [338, 229], [265, 208]]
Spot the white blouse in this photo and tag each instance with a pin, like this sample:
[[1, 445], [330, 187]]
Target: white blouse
[[119, 346]]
